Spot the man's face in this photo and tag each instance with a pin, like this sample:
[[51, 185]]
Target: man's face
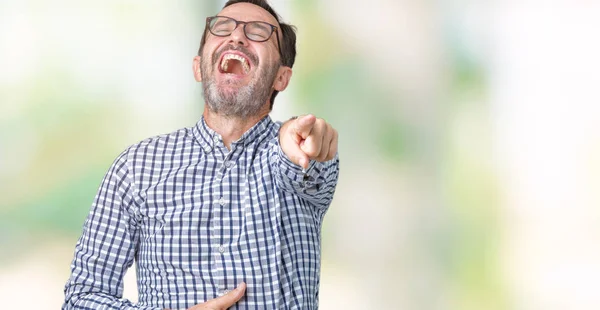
[[238, 74]]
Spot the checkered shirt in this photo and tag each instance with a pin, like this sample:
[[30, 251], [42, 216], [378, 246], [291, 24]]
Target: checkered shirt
[[198, 219]]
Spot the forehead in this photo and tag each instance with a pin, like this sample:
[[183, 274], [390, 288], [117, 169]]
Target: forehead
[[244, 11]]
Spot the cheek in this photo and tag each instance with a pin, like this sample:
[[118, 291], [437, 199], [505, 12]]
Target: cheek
[[267, 59], [209, 50]]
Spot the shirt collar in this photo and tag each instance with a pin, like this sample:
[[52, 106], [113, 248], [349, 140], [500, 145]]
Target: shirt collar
[[206, 137]]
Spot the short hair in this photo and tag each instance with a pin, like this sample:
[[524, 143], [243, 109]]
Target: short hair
[[288, 37]]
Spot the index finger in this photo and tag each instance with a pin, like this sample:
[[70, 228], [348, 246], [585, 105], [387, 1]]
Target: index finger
[[304, 124], [230, 298]]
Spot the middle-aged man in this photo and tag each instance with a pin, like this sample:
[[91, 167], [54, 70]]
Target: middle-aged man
[[225, 214]]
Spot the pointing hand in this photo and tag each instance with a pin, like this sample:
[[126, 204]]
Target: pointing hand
[[308, 137]]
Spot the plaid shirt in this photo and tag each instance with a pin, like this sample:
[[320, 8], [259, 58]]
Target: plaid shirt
[[198, 219]]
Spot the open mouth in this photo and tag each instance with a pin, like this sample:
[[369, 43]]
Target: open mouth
[[234, 64]]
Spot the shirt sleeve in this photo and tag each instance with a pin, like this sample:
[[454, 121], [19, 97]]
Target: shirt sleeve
[[107, 246], [317, 184]]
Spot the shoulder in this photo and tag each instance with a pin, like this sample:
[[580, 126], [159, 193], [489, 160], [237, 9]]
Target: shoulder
[[163, 144]]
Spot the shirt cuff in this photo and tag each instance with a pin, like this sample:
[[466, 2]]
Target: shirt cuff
[[296, 173]]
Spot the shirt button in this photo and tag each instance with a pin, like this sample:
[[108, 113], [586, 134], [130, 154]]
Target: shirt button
[[222, 201], [222, 249], [228, 164], [225, 292], [216, 138]]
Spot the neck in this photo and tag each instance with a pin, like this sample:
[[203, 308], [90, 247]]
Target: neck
[[231, 128]]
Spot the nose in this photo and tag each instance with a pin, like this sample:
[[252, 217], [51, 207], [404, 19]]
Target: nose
[[237, 37]]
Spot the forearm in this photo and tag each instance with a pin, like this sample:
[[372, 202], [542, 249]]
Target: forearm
[[310, 143], [98, 269], [79, 300], [106, 248], [315, 184]]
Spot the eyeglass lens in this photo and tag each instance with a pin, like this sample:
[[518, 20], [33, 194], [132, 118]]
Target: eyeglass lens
[[255, 30]]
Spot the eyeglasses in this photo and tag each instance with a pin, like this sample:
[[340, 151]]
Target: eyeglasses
[[257, 31]]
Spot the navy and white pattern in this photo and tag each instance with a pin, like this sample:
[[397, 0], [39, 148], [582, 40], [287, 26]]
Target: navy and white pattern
[[197, 219]]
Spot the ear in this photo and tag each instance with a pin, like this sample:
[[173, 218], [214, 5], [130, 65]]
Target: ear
[[283, 78], [196, 68]]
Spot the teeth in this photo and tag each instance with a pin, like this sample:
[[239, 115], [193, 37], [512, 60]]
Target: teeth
[[242, 60]]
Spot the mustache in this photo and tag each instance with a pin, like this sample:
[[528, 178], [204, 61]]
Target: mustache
[[238, 48]]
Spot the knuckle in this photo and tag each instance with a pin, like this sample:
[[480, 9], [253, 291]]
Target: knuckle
[[311, 152]]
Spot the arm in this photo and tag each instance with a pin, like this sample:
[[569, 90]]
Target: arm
[[306, 159], [106, 248]]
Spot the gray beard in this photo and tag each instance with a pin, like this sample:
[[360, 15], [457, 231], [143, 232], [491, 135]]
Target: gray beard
[[243, 102]]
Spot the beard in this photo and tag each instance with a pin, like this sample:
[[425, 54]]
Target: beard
[[243, 101]]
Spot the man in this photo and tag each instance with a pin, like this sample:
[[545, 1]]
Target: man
[[224, 214]]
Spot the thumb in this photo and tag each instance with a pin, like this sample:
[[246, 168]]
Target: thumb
[[230, 298], [296, 155], [304, 124]]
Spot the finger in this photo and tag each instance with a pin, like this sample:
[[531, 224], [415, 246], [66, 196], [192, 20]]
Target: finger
[[333, 146], [298, 157], [312, 146], [230, 298], [313, 143], [303, 125], [294, 152], [327, 138]]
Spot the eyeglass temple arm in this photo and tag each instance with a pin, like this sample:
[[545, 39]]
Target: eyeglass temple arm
[[278, 44]]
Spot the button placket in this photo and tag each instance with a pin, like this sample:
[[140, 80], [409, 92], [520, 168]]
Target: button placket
[[228, 162], [221, 203], [218, 203]]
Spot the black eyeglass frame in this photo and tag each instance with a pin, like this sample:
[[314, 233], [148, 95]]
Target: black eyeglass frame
[[237, 23]]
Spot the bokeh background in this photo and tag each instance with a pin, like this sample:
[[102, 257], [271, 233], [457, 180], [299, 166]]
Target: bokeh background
[[469, 140]]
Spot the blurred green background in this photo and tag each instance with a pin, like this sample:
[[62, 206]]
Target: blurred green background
[[469, 140]]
